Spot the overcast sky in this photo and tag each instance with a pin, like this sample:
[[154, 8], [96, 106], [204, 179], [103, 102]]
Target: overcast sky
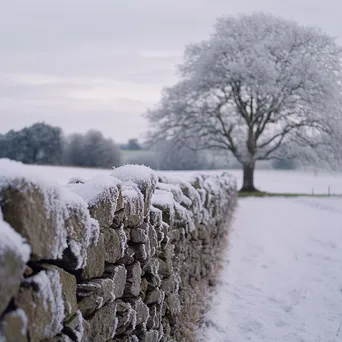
[[83, 64]]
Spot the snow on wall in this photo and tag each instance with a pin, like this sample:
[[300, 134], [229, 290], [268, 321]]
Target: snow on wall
[[121, 255]]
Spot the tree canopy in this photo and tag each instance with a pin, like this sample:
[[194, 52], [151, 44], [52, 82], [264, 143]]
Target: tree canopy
[[260, 87]]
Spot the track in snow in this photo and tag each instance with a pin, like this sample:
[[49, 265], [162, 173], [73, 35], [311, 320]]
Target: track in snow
[[282, 275]]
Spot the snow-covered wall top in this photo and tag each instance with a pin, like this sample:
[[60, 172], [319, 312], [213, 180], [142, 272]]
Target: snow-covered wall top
[[125, 257]]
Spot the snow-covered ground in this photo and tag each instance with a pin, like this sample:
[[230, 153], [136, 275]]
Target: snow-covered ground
[[267, 180], [282, 275]]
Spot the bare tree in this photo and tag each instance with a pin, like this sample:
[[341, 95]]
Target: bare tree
[[260, 87]]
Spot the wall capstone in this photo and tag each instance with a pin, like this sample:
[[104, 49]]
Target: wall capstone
[[125, 257]]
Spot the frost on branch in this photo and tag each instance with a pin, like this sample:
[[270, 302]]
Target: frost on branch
[[260, 87]]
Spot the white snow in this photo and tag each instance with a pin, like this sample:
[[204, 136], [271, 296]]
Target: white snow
[[139, 174], [50, 289], [281, 280], [268, 180], [11, 240], [97, 188]]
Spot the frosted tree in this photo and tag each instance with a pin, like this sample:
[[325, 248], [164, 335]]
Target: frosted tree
[[260, 87]]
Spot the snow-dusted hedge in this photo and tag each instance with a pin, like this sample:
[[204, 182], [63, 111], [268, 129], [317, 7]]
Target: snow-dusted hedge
[[125, 257]]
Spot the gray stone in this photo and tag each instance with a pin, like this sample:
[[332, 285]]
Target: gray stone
[[102, 324], [138, 235], [126, 318], [12, 267], [133, 205], [165, 268], [128, 257], [150, 336], [155, 317], [131, 338], [143, 177], [104, 210], [95, 293], [132, 287], [13, 326], [140, 252], [154, 297], [115, 244], [169, 284], [155, 217], [118, 274], [95, 259], [172, 304], [68, 282], [119, 219], [141, 309], [41, 299], [76, 327], [59, 338], [153, 240]]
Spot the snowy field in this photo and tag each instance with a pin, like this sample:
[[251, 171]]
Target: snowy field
[[282, 275], [266, 180]]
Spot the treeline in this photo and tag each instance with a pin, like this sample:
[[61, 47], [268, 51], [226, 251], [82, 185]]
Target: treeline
[[47, 145]]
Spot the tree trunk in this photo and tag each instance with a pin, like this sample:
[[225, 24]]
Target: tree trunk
[[248, 178]]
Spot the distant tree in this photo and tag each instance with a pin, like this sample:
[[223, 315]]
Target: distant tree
[[73, 150], [133, 145], [171, 156], [37, 144], [257, 84], [284, 164], [91, 150]]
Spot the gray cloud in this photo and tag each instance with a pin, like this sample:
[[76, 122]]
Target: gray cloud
[[84, 64]]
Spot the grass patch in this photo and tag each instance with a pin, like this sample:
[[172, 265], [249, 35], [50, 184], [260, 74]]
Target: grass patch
[[275, 194]]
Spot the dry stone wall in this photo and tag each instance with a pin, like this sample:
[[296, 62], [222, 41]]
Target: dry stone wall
[[125, 257]]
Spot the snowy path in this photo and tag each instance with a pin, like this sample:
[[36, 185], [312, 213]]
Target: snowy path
[[283, 281]]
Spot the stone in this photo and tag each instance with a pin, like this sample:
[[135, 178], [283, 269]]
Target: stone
[[49, 214], [59, 338], [115, 244], [76, 327], [170, 284], [155, 216], [41, 298], [128, 257], [155, 317], [143, 177], [95, 259], [150, 336], [165, 268], [126, 318], [119, 218], [154, 297], [133, 205], [12, 266], [131, 338], [139, 235], [13, 326], [204, 233], [132, 287], [153, 240], [93, 294], [118, 274], [68, 282], [140, 251], [141, 309], [101, 326], [173, 304], [104, 210], [24, 209]]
